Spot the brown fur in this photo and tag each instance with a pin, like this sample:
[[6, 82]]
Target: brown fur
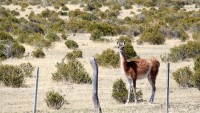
[[137, 69]]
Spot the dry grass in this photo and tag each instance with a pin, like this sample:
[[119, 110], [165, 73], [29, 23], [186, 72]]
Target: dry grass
[[79, 97]]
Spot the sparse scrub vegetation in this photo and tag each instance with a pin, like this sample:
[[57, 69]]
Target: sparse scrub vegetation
[[153, 36], [108, 58], [12, 76], [183, 76], [74, 54], [71, 44], [73, 72], [120, 93], [52, 37], [38, 53], [181, 52], [129, 51], [27, 68], [54, 99]]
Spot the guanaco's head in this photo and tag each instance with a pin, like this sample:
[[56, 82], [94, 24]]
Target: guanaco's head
[[121, 46]]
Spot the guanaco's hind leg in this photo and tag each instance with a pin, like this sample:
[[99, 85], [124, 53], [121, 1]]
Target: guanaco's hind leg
[[129, 90], [134, 90], [152, 81]]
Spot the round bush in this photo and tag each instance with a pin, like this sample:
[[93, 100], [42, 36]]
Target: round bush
[[153, 36], [18, 50], [2, 53], [108, 58], [71, 44], [196, 79], [183, 76], [196, 36], [5, 36], [129, 51], [74, 54], [124, 38], [27, 68], [63, 36], [96, 36], [64, 8], [73, 72], [11, 75], [38, 53], [197, 63], [120, 93], [54, 100], [52, 37]]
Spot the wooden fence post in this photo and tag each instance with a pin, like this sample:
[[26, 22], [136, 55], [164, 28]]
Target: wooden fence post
[[36, 89], [167, 99], [97, 107]]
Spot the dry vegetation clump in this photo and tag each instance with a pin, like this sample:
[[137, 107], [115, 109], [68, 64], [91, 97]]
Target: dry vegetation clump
[[11, 75], [183, 76], [73, 72], [38, 53], [108, 58], [52, 37], [153, 36], [196, 77], [181, 52], [54, 99], [74, 54], [27, 68], [71, 44], [124, 38], [120, 93], [10, 47]]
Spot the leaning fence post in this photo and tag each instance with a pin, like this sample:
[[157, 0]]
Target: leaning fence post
[[167, 99], [36, 89], [95, 98]]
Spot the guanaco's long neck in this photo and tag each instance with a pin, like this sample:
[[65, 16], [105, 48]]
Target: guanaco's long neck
[[123, 61]]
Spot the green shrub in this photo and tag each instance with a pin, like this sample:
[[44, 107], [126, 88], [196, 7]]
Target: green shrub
[[52, 37], [54, 99], [11, 75], [71, 44], [63, 36], [196, 79], [96, 36], [124, 38], [181, 52], [27, 68], [15, 13], [18, 50], [23, 38], [197, 63], [196, 36], [24, 5], [5, 36], [120, 93], [74, 54], [64, 8], [108, 58], [38, 53], [106, 28], [129, 51], [183, 76], [73, 72], [153, 36], [76, 25]]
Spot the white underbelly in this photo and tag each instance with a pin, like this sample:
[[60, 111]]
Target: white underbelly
[[142, 76]]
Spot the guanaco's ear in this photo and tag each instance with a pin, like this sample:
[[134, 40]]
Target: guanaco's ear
[[124, 42]]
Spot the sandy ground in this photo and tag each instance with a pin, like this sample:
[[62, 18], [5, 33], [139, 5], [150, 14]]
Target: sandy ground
[[79, 97]]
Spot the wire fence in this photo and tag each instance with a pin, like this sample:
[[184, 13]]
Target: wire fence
[[79, 96]]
